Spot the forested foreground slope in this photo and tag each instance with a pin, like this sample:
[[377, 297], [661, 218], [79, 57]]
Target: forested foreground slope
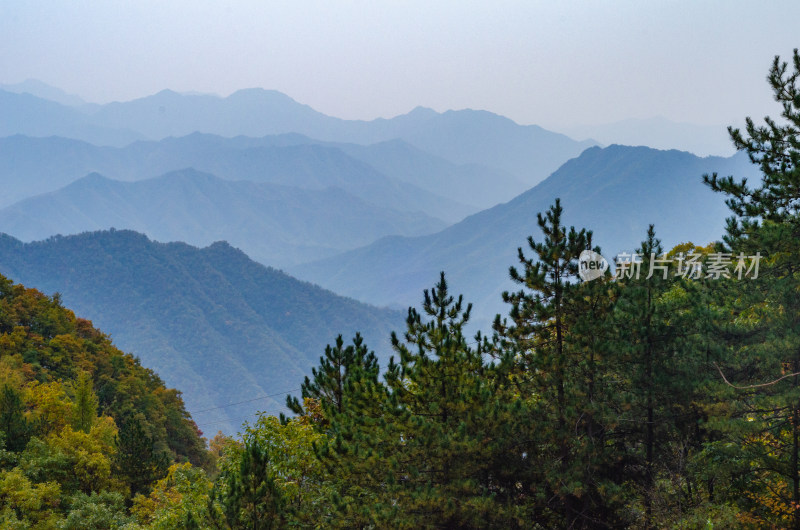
[[666, 396], [83, 426]]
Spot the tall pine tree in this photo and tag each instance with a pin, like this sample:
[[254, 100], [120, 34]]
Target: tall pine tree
[[765, 332], [336, 368], [559, 371], [437, 443]]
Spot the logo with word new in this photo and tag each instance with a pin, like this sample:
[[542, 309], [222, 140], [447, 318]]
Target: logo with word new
[[591, 265]]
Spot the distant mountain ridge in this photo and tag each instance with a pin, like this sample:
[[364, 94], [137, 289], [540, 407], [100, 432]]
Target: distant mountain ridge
[[616, 192], [44, 91], [210, 321], [30, 166], [470, 183], [467, 136], [276, 225], [659, 133], [463, 136], [32, 116]]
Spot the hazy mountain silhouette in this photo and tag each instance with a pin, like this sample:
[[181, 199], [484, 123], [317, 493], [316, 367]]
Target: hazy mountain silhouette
[[659, 133], [528, 152], [32, 116], [30, 166], [210, 321], [464, 137], [472, 184], [475, 185], [42, 90], [276, 225], [616, 192]]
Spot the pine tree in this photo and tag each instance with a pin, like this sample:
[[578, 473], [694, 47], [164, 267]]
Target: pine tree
[[435, 442], [595, 382], [539, 316], [137, 458], [85, 403], [13, 424], [558, 370], [330, 378], [246, 496], [657, 322], [765, 335]]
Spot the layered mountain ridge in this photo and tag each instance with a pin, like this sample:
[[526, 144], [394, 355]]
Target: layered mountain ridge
[[212, 322]]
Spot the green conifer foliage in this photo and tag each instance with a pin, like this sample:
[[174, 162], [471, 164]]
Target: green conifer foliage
[[555, 373], [432, 446], [329, 381], [246, 496], [15, 428], [137, 458], [658, 326], [85, 404], [763, 333]]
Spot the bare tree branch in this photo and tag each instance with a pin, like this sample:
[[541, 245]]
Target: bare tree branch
[[752, 386]]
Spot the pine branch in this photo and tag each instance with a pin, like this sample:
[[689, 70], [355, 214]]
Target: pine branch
[[747, 387]]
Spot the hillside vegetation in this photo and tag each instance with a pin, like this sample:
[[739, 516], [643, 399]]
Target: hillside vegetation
[[84, 427], [659, 389], [666, 395], [211, 321]]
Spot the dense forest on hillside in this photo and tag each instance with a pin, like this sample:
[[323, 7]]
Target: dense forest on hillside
[[666, 396], [83, 426], [210, 321]]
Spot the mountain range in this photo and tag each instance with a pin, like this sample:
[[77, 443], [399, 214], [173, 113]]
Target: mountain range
[[528, 152], [274, 224], [615, 191], [212, 322], [659, 133], [408, 179], [26, 114], [372, 210], [42, 90]]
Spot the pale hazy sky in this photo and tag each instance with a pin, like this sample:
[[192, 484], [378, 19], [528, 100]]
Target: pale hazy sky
[[550, 63]]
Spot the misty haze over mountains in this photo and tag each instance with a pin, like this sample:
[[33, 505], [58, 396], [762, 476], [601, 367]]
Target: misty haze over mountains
[[464, 137], [372, 210], [615, 191], [36, 164], [659, 133], [34, 87], [275, 224]]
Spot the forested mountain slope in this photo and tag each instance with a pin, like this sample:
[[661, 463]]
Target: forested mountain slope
[[212, 322], [84, 427]]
